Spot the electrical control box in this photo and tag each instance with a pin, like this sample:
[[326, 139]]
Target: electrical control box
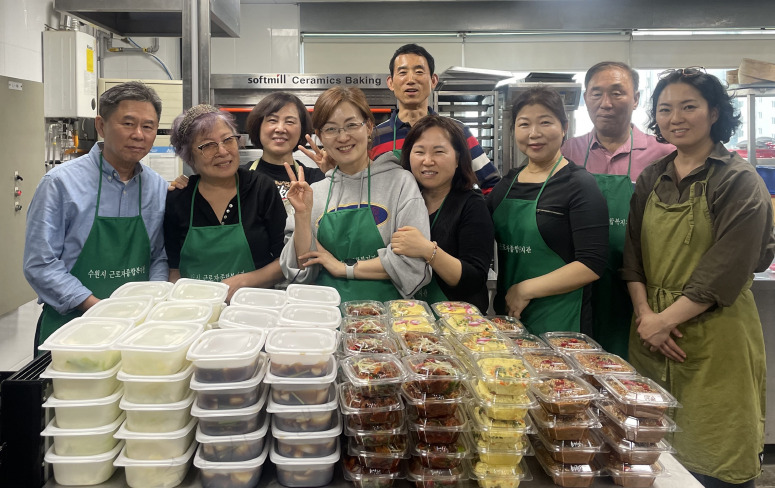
[[69, 75]]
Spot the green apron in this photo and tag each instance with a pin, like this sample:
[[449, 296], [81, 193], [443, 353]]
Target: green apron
[[396, 152], [215, 252], [117, 251], [431, 292], [611, 303], [353, 234], [522, 255], [721, 383]]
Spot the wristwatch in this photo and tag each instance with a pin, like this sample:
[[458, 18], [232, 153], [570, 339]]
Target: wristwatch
[[349, 268]]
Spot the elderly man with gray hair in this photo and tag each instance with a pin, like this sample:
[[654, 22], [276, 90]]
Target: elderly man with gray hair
[[95, 222]]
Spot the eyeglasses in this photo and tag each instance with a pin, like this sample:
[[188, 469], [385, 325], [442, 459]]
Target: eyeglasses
[[349, 129], [210, 149], [686, 72]]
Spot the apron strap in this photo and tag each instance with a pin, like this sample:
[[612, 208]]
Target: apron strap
[[330, 187], [368, 184], [196, 186], [438, 212], [692, 195], [547, 179], [99, 192], [629, 164]]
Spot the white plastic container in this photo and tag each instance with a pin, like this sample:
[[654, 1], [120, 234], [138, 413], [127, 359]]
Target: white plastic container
[[235, 448], [303, 315], [83, 470], [313, 295], [163, 473], [181, 311], [243, 317], [159, 290], [157, 348], [132, 308], [229, 396], [86, 414], [85, 345], [259, 298], [163, 445], [304, 472], [82, 386], [231, 422], [83, 442], [159, 417], [242, 474], [300, 352], [295, 419], [210, 292], [157, 389], [329, 374], [226, 356], [216, 316], [306, 444]]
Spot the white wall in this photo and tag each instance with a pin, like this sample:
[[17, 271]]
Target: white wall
[[21, 41], [141, 66]]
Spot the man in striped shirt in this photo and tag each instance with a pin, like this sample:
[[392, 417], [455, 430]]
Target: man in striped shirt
[[412, 79]]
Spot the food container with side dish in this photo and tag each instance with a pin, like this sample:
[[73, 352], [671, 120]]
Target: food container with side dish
[[408, 308], [82, 386], [304, 472], [562, 474], [156, 473], [570, 341], [192, 311], [465, 324], [632, 475], [300, 352], [526, 340], [432, 404], [313, 295], [633, 428], [235, 448], [455, 308], [357, 344], [86, 414], [508, 325], [483, 342], [374, 374], [86, 345], [505, 374], [333, 429], [423, 477], [157, 389], [365, 325], [234, 474], [132, 308], [305, 417], [232, 422], [211, 292], [365, 409], [311, 447], [225, 396], [497, 434], [158, 417], [157, 348], [377, 435], [580, 451], [632, 452], [243, 317], [83, 442], [438, 430], [303, 315], [157, 445], [570, 427], [83, 470], [564, 395], [412, 342], [226, 356], [637, 395], [412, 323], [489, 475], [363, 308], [381, 457], [500, 407], [259, 298], [544, 361], [499, 452], [439, 456], [435, 374], [365, 477], [159, 290]]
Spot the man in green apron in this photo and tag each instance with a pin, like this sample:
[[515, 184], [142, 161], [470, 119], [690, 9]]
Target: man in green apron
[[95, 223]]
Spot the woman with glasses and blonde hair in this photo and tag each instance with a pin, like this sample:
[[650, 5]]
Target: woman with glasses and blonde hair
[[227, 224], [343, 224], [700, 225]]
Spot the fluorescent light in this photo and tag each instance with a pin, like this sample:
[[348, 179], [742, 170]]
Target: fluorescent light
[[708, 32]]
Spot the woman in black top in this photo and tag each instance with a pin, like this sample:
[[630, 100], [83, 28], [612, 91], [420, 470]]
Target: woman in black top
[[545, 268], [461, 245]]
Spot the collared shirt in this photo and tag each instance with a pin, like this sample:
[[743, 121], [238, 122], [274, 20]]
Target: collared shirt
[[486, 173], [741, 214], [60, 219], [645, 150]]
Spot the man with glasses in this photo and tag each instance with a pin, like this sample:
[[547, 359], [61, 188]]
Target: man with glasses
[[95, 223], [412, 80]]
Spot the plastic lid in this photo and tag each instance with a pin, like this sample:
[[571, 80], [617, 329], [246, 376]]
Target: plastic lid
[[508, 325], [418, 473], [181, 311], [335, 431], [362, 308], [179, 376], [635, 389], [480, 470], [52, 430], [88, 334], [374, 430], [408, 308], [594, 362], [465, 324], [353, 402], [160, 337], [157, 407], [621, 445], [331, 404], [284, 461], [626, 470], [132, 308], [546, 361], [548, 420], [588, 443], [456, 422], [304, 315], [528, 341], [124, 433], [484, 341], [363, 476], [373, 369], [200, 412], [501, 369], [231, 466], [222, 439], [52, 458], [260, 298], [209, 291], [554, 468], [50, 372], [329, 377], [570, 341], [313, 295], [241, 317], [54, 402], [364, 325], [288, 340], [455, 308], [428, 367], [390, 451], [483, 396], [233, 344], [517, 444], [416, 323], [481, 422], [611, 413], [424, 343], [124, 461], [259, 375], [159, 290], [357, 344], [413, 395], [457, 450], [562, 389]]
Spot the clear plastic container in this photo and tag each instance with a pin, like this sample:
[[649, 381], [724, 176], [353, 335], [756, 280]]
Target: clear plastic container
[[632, 475], [423, 477], [439, 456], [235, 448], [227, 396], [302, 394], [575, 475], [416, 323], [82, 386], [157, 389], [232, 422], [363, 308], [390, 420], [300, 352], [313, 295], [374, 374], [548, 362], [408, 308], [572, 427], [159, 290], [432, 404], [305, 417], [500, 452], [594, 363], [83, 442], [382, 457], [132, 308], [83, 470], [157, 348], [435, 374], [316, 447], [329, 371], [490, 475], [424, 343], [494, 434], [570, 341], [162, 473], [86, 414], [365, 325], [526, 341], [85, 345], [328, 417], [455, 308], [226, 356], [638, 396], [632, 452], [508, 325], [504, 374], [357, 344], [260, 298], [368, 409], [563, 395], [580, 451], [367, 477], [230, 474], [483, 342], [465, 324], [243, 317], [500, 407], [377, 435], [438, 430], [157, 445], [211, 292], [304, 472], [157, 417], [303, 315], [192, 311], [633, 428]]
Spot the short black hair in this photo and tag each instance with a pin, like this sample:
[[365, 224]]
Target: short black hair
[[135, 91], [713, 91], [604, 65], [540, 95], [413, 49], [273, 103]]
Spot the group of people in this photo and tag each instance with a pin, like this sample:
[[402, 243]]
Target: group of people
[[659, 271]]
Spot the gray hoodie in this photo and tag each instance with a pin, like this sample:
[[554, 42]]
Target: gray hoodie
[[394, 191]]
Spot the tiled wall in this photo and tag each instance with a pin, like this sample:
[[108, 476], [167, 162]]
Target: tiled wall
[[21, 25]]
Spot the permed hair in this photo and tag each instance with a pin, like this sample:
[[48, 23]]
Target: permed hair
[[413, 49], [713, 91], [273, 103], [544, 96], [604, 65], [184, 147], [135, 91]]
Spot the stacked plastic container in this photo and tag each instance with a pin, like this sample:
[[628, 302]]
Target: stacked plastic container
[[132, 308], [206, 292], [84, 368]]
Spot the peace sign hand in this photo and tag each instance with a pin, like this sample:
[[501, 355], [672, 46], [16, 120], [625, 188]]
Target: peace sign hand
[[319, 156], [300, 193]]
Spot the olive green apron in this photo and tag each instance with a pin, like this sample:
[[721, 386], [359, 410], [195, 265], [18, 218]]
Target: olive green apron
[[215, 252], [117, 251], [611, 303], [721, 383], [431, 292], [353, 234], [522, 255]]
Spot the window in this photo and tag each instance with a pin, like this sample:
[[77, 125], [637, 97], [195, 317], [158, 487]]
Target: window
[[773, 120], [773, 104], [760, 115], [760, 131]]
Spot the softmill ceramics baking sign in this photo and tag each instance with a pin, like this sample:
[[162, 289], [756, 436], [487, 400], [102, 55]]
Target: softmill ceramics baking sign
[[298, 80]]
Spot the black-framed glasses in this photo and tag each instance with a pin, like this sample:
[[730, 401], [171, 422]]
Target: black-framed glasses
[[210, 149], [349, 129], [687, 72]]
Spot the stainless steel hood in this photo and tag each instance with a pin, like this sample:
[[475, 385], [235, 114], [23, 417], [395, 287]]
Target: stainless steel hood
[[150, 18]]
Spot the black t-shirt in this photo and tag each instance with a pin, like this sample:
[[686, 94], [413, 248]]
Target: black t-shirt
[[280, 177], [464, 230], [263, 217], [572, 219]]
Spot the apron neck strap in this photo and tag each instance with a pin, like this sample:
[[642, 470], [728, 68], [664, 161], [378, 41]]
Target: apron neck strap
[[547, 178], [438, 212], [193, 196], [589, 146], [99, 193], [331, 186]]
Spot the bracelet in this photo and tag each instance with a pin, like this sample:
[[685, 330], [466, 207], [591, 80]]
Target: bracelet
[[435, 248]]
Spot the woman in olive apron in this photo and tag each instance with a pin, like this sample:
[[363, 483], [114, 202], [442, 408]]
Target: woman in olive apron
[[714, 363]]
